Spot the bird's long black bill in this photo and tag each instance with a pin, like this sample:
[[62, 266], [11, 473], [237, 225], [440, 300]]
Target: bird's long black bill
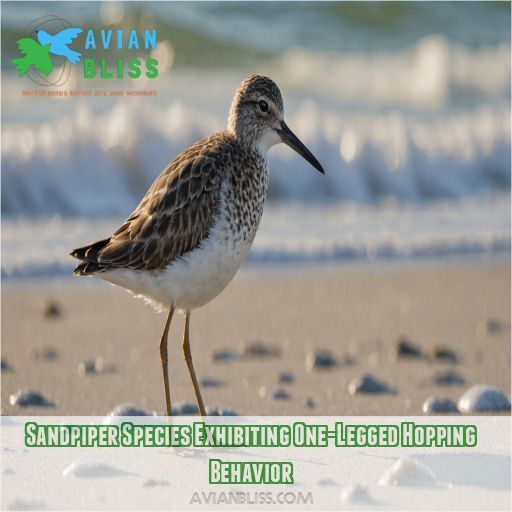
[[290, 139]]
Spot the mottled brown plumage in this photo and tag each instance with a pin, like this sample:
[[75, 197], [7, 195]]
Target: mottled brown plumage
[[174, 216]]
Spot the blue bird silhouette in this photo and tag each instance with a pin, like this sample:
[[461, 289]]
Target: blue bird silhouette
[[59, 43]]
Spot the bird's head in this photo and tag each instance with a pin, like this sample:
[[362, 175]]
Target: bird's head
[[43, 37], [256, 118]]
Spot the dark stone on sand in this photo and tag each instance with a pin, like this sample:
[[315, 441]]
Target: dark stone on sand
[[227, 412], [52, 310], [449, 378], [260, 349], [368, 384], [30, 399], [6, 367], [208, 382], [46, 353], [129, 410], [286, 377], [434, 405], [91, 367], [191, 409], [226, 355], [185, 409], [406, 348], [483, 398], [320, 360], [310, 403], [494, 326], [444, 354], [280, 394]]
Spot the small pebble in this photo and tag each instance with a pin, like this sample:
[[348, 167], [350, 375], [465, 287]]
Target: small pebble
[[280, 394], [445, 354], [481, 398], [355, 493], [407, 349], [320, 360], [211, 383], [327, 482], [259, 349], [46, 353], [439, 405], [129, 410], [52, 310], [286, 377], [227, 412], [368, 384], [6, 367], [91, 367], [185, 409], [494, 326], [7, 471], [29, 399], [310, 403], [226, 355], [449, 378], [155, 483], [217, 411]]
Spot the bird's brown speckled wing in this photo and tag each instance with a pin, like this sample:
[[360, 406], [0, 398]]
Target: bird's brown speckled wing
[[173, 218]]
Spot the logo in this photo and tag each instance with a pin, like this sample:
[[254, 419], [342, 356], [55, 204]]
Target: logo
[[46, 55], [51, 45]]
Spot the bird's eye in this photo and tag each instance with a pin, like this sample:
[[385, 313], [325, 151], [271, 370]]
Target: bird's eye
[[263, 105]]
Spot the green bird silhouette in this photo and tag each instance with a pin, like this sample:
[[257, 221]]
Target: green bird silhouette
[[34, 55]]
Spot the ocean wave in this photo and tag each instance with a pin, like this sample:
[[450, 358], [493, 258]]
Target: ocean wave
[[389, 231], [430, 74], [97, 164], [296, 233]]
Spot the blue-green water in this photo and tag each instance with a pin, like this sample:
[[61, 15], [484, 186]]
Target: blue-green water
[[407, 106], [273, 27]]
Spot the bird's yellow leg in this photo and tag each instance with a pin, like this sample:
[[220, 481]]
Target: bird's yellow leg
[[188, 359], [163, 356]]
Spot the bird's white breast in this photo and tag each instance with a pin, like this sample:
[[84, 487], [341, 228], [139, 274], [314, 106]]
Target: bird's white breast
[[195, 279]]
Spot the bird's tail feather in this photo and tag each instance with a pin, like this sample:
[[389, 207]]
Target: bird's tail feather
[[89, 256], [22, 64]]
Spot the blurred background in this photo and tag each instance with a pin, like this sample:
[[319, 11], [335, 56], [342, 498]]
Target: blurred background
[[406, 104]]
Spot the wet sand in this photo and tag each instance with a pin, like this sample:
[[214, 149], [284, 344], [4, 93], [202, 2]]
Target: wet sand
[[358, 314]]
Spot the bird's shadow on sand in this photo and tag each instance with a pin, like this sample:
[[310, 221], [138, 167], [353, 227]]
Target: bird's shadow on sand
[[470, 469]]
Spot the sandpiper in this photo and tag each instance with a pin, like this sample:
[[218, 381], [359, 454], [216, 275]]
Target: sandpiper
[[189, 235]]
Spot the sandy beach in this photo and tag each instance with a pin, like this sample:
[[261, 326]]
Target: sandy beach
[[456, 316]]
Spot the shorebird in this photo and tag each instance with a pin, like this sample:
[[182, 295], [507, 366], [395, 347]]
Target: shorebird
[[189, 235]]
